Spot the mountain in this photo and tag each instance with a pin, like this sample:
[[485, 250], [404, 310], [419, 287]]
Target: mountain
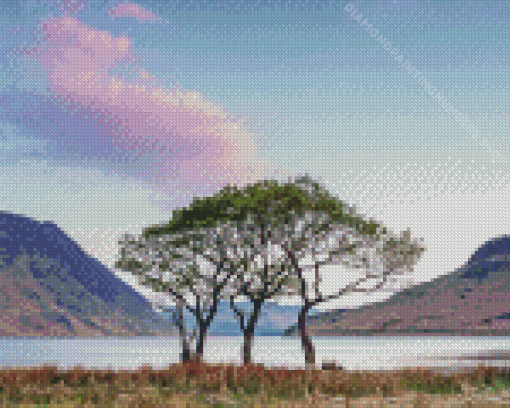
[[474, 300], [273, 320], [50, 287]]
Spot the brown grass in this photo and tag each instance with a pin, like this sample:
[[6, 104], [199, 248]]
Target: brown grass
[[222, 385]]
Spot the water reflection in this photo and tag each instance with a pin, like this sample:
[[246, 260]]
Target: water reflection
[[352, 353]]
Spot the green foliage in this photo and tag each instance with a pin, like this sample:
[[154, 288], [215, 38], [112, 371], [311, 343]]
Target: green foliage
[[266, 204], [236, 230], [268, 200], [432, 386], [493, 381]]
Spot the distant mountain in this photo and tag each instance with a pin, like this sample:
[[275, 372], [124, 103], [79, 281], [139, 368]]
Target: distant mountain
[[50, 287], [273, 320], [474, 300]]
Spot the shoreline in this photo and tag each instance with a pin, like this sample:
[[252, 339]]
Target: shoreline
[[440, 363]]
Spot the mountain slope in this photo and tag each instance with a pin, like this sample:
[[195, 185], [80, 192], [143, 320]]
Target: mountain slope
[[50, 287], [472, 301]]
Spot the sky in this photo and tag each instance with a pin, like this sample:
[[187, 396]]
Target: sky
[[114, 113]]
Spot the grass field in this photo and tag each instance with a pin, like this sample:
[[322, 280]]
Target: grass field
[[221, 385]]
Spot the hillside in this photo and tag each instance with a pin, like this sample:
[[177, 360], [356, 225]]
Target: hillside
[[472, 301], [50, 287]]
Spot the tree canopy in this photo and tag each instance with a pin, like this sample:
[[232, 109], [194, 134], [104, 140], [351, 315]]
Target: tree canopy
[[238, 230], [269, 200]]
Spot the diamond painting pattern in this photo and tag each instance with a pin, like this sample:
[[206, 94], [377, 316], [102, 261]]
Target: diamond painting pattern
[[254, 203]]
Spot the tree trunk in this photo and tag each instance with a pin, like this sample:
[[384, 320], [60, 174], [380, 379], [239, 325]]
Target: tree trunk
[[249, 332], [306, 341], [247, 348], [203, 328], [199, 349], [186, 356]]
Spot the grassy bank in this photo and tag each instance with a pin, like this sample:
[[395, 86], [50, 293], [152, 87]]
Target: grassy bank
[[221, 385]]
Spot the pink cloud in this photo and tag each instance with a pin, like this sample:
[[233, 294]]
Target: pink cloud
[[199, 147], [133, 10]]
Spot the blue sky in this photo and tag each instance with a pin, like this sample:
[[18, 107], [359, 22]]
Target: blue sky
[[114, 113]]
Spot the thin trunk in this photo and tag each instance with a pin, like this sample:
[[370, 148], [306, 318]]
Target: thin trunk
[[186, 352], [204, 324], [249, 332], [247, 347], [199, 350], [306, 341]]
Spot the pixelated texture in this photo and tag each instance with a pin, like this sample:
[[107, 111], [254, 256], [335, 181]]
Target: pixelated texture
[[472, 301], [115, 113], [50, 287]]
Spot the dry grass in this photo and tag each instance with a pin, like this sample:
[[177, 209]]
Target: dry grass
[[208, 385]]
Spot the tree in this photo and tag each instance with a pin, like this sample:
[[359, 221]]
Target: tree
[[263, 277], [242, 245], [375, 249], [190, 283], [390, 256], [238, 229], [265, 217]]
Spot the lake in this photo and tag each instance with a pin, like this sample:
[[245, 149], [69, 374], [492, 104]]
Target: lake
[[364, 353]]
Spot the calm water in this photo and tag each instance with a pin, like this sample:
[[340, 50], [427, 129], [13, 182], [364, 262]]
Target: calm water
[[364, 353]]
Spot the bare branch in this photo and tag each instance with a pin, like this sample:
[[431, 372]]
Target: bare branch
[[238, 312]]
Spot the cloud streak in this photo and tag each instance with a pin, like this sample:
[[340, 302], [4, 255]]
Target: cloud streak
[[133, 10], [196, 147]]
